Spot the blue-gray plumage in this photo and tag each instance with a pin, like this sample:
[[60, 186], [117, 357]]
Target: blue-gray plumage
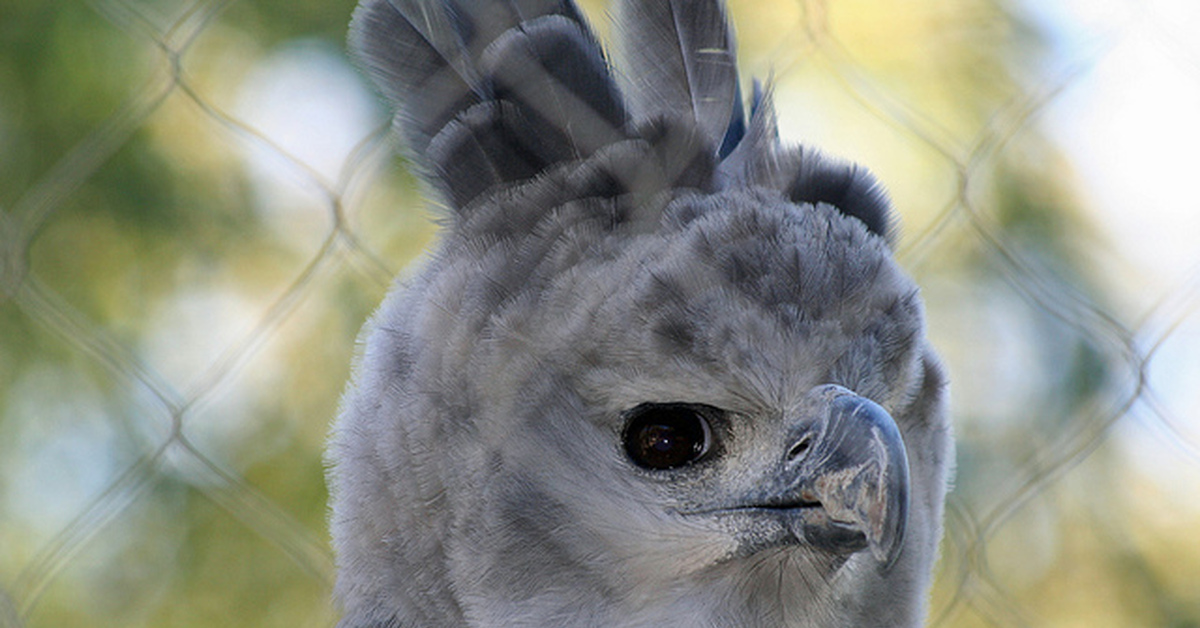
[[661, 369]]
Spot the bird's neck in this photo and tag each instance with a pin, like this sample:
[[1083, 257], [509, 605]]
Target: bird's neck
[[787, 588]]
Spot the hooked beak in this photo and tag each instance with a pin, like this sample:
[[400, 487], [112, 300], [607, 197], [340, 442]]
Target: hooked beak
[[846, 480]]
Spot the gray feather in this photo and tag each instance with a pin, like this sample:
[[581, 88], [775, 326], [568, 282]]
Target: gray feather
[[680, 59], [489, 93], [553, 69], [409, 50], [803, 174]]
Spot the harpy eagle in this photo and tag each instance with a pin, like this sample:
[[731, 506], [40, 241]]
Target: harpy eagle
[[661, 368]]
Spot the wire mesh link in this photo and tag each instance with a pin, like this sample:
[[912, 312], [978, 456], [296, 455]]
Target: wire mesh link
[[974, 592]]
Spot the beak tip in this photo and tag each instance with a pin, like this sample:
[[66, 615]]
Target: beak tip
[[881, 511], [886, 548]]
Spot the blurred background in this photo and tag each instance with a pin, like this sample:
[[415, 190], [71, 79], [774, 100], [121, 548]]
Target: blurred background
[[200, 206]]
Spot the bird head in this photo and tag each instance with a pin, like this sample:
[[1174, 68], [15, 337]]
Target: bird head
[[703, 393], [660, 368]]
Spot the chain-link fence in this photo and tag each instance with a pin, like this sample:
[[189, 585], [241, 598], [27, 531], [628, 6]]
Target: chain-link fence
[[199, 206]]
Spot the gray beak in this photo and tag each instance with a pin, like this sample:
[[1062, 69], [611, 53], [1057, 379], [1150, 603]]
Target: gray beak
[[849, 479]]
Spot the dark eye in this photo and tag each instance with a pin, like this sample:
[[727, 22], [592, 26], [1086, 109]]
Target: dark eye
[[666, 435]]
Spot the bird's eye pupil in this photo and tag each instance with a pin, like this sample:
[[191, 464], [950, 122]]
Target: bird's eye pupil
[[665, 436]]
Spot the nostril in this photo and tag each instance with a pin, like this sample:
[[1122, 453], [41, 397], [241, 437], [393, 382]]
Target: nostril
[[799, 448]]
